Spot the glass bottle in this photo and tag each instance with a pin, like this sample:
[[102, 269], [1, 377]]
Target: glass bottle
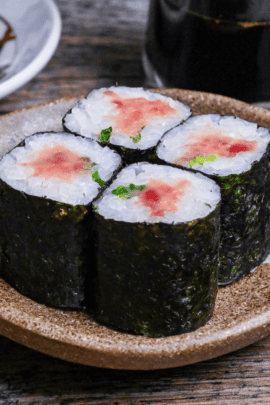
[[217, 46]]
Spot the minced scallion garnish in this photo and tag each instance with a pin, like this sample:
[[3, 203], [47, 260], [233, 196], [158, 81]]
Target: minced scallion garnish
[[127, 192], [135, 140], [105, 134], [138, 138], [95, 175], [97, 179], [200, 160]]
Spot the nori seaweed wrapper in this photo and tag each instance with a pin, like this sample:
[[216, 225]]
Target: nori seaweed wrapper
[[130, 156], [157, 279], [244, 218], [47, 249]]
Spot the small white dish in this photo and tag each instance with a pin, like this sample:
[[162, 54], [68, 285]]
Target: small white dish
[[29, 34]]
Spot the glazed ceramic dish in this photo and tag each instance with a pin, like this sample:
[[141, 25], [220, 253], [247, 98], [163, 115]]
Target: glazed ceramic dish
[[29, 34], [242, 310]]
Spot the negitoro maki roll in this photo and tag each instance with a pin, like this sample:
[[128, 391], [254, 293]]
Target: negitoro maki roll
[[47, 185], [157, 250], [128, 120], [236, 154]]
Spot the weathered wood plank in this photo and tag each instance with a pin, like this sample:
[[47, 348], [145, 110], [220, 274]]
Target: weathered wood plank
[[29, 377], [101, 44]]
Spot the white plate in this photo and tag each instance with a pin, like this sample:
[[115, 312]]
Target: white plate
[[36, 26]]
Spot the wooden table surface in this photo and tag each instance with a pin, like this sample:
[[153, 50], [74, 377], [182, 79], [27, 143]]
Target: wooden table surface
[[101, 44]]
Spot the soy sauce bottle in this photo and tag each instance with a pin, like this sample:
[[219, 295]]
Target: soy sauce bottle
[[217, 46]]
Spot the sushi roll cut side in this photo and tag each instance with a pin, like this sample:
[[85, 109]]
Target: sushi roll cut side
[[129, 120], [47, 186], [236, 154], [157, 250]]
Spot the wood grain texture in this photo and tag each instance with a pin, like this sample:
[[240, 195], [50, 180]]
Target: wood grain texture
[[101, 44], [29, 377]]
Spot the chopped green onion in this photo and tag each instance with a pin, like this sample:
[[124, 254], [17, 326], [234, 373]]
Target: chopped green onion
[[105, 135], [97, 179], [135, 140], [95, 175], [138, 138], [200, 160], [128, 191]]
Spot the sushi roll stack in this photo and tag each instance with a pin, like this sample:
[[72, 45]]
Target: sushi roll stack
[[47, 186], [236, 154], [142, 245], [157, 250], [130, 121]]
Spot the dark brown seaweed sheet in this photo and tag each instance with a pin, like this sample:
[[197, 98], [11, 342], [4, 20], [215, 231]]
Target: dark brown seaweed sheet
[[244, 218], [157, 279], [47, 249]]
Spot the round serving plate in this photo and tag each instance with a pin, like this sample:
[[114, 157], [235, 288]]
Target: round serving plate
[[29, 34], [242, 310]]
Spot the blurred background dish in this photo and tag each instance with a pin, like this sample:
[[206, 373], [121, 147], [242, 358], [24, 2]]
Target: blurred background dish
[[29, 34], [221, 47]]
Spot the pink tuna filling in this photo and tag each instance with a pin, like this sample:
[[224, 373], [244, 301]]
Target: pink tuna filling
[[58, 162], [214, 143], [161, 197], [134, 113]]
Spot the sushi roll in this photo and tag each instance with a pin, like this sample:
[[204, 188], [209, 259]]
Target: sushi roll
[[157, 250], [129, 120], [236, 154], [47, 186]]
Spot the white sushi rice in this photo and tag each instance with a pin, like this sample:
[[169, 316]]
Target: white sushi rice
[[199, 200], [81, 190], [90, 116], [172, 146]]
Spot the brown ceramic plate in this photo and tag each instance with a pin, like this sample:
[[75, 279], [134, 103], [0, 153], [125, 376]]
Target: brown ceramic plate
[[242, 311]]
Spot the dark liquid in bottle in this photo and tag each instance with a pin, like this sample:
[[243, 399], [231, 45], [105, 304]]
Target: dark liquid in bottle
[[194, 52]]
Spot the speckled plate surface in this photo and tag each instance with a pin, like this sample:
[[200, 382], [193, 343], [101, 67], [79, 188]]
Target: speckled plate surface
[[242, 311]]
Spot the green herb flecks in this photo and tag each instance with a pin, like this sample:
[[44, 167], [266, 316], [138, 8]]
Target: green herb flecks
[[97, 179], [95, 175], [128, 191], [138, 138], [105, 134], [200, 160]]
